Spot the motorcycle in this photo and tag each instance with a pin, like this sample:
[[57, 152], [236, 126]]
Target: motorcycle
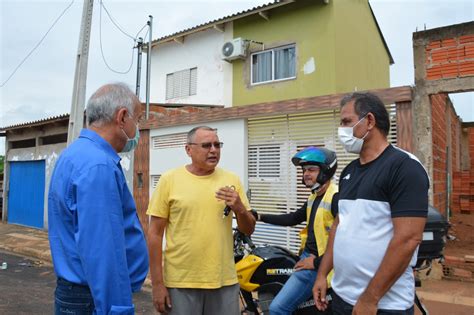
[[431, 248], [263, 270]]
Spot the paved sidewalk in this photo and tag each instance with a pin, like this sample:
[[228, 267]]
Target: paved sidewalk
[[34, 243], [25, 241]]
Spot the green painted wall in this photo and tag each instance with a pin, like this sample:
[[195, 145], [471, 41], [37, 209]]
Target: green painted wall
[[362, 60], [309, 27], [313, 26]]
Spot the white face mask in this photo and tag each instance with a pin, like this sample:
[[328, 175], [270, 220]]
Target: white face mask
[[351, 143]]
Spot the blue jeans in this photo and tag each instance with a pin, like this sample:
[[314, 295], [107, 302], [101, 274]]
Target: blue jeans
[[341, 307], [296, 290], [71, 298]]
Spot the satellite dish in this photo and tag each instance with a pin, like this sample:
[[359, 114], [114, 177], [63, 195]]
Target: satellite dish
[[228, 49]]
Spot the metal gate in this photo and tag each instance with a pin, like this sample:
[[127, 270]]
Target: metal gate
[[26, 193]]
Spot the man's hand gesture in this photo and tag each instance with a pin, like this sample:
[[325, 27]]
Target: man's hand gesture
[[319, 293]]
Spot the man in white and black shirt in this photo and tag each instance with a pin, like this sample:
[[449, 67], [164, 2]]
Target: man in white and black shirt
[[383, 204]]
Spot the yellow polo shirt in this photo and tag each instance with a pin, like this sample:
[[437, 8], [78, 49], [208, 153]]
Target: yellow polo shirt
[[199, 243]]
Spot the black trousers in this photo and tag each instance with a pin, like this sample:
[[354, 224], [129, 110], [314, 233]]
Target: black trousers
[[341, 307]]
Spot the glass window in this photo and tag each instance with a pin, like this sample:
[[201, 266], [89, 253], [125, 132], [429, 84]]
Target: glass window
[[262, 67], [285, 63], [274, 64]]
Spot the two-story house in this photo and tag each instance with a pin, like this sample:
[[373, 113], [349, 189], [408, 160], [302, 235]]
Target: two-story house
[[283, 52], [287, 49]]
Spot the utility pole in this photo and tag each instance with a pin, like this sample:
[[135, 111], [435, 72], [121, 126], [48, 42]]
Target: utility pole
[[76, 117], [139, 66], [148, 68]]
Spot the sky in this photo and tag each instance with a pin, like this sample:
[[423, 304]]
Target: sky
[[42, 85]]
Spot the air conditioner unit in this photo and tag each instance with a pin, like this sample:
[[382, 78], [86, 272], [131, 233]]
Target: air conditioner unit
[[235, 49]]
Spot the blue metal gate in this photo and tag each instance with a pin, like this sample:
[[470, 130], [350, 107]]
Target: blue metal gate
[[26, 193]]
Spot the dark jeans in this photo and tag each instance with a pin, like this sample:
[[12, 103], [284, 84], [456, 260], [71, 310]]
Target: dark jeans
[[340, 307], [71, 298]]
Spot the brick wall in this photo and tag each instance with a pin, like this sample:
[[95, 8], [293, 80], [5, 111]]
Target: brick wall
[[447, 135], [141, 175], [463, 181], [455, 142], [438, 112], [450, 58]]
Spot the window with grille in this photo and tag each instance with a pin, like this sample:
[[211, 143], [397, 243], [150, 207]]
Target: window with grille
[[175, 140], [181, 83], [264, 162], [273, 65]]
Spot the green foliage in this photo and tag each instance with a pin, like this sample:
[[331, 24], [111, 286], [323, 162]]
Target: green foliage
[[2, 162]]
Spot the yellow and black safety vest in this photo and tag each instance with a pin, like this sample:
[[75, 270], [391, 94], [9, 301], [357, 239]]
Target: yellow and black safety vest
[[322, 221]]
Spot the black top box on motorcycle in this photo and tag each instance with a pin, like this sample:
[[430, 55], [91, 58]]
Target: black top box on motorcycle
[[434, 236]]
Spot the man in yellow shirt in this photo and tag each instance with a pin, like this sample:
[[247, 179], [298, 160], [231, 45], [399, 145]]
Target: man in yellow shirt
[[198, 276]]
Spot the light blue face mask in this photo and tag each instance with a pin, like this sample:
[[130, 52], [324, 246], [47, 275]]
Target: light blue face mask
[[131, 142]]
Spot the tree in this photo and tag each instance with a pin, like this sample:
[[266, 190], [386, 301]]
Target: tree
[[2, 161]]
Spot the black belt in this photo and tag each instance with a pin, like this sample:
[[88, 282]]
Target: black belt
[[62, 281]]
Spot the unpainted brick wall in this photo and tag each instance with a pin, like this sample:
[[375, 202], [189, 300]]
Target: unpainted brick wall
[[463, 182], [450, 58], [462, 198], [446, 136], [438, 113]]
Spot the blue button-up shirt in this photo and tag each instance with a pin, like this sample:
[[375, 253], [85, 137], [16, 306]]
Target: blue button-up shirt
[[95, 235]]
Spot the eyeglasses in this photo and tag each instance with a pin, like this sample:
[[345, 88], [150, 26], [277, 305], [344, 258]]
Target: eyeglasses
[[208, 145]]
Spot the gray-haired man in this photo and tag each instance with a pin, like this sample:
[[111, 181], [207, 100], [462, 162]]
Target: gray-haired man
[[97, 243]]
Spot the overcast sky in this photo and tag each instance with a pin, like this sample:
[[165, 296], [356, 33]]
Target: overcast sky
[[42, 86]]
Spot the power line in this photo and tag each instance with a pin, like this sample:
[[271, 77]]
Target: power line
[[113, 21], [146, 31], [118, 26], [102, 49], [36, 46], [102, 6], [138, 33]]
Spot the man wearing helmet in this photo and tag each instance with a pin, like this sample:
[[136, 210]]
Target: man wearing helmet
[[319, 166]]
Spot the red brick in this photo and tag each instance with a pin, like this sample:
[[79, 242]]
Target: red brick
[[433, 45], [455, 52], [449, 75], [462, 273], [449, 42], [466, 68], [466, 39], [466, 64], [469, 52], [453, 259], [439, 55], [449, 66], [433, 75]]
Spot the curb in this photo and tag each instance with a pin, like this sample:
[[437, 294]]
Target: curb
[[44, 256], [444, 298]]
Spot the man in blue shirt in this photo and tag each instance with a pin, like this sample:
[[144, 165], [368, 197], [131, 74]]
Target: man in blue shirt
[[97, 243]]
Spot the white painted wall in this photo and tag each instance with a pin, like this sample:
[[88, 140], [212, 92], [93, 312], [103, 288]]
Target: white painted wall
[[233, 155], [201, 50]]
